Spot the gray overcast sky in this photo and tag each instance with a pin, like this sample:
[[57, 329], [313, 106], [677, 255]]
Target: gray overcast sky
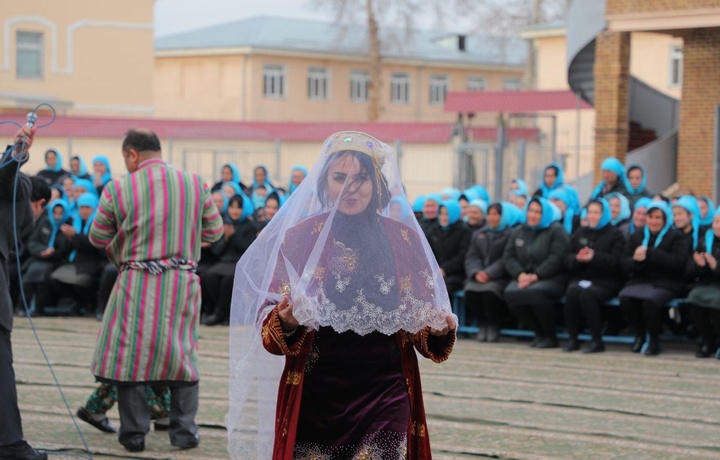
[[180, 15]]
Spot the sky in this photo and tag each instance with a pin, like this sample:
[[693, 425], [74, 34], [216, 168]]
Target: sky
[[173, 16]]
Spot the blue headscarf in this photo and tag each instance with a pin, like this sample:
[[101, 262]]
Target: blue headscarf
[[549, 213], [107, 177], [90, 200], [613, 165], [522, 186], [452, 193], [234, 185], [259, 201], [267, 183], [482, 193], [418, 203], [235, 172], [86, 184], [707, 220], [247, 207], [625, 212], [563, 195], [470, 194], [480, 204], [665, 208], [558, 182], [82, 171], [523, 194], [453, 210], [58, 163], [292, 186], [404, 208], [606, 213], [689, 203], [434, 197], [508, 216], [226, 201], [643, 202], [635, 191], [55, 224], [710, 235], [61, 189]]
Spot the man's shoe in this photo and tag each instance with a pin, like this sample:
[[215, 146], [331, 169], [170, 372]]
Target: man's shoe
[[593, 347], [191, 444], [547, 343], [638, 344], [21, 450], [102, 425], [136, 444], [535, 341], [214, 320], [571, 345], [653, 349]]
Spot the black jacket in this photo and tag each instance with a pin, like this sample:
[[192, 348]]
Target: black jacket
[[232, 249], [704, 275], [88, 258], [604, 269], [664, 266], [40, 238], [485, 254], [449, 247], [536, 251]]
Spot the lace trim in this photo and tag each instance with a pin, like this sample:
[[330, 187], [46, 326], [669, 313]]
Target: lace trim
[[382, 445]]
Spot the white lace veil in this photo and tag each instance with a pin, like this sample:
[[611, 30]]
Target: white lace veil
[[347, 257]]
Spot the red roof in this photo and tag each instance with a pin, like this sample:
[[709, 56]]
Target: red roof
[[419, 133], [512, 101]]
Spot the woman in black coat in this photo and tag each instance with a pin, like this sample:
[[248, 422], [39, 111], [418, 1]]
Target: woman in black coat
[[593, 259], [533, 258], [704, 297], [655, 259], [487, 279], [449, 240]]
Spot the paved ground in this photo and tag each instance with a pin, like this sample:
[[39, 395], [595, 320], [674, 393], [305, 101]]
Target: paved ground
[[500, 400]]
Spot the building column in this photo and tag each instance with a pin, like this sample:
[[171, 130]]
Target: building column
[[612, 81], [700, 97]]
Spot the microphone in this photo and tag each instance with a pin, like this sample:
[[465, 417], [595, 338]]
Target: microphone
[[31, 118]]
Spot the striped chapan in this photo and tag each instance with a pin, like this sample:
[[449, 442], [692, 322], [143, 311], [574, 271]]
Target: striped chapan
[[149, 329]]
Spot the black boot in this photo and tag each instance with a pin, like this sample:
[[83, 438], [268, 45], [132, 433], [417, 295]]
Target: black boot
[[638, 343], [572, 345], [594, 347]]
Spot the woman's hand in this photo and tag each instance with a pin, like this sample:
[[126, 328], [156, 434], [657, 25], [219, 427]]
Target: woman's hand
[[228, 231], [699, 259], [285, 312], [640, 254], [526, 279], [585, 255], [482, 277], [444, 331], [68, 230], [711, 261]]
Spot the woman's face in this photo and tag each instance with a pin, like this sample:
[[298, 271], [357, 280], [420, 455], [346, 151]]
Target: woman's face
[[218, 200], [54, 194], [226, 175], [51, 159], [443, 217], [550, 177], [99, 168], [75, 166], [474, 215], [681, 218], [560, 204], [463, 208], [85, 212], [349, 186], [58, 213], [716, 225], [614, 207], [261, 192], [260, 176], [297, 177], [635, 178], [639, 217], [235, 211], [655, 220], [609, 177], [703, 208], [514, 186], [493, 217], [520, 201], [229, 191], [271, 208], [594, 214], [534, 214], [430, 209], [395, 210]]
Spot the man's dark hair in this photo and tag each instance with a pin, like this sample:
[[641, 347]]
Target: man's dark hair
[[40, 189], [141, 140]]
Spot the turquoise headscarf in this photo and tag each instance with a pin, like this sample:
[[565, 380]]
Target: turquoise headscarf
[[634, 191], [481, 192], [558, 182], [82, 170], [606, 213], [665, 208], [259, 201], [689, 203], [710, 236], [561, 194], [522, 185], [418, 203], [90, 200], [452, 193], [707, 220], [480, 204], [625, 212], [403, 203], [454, 212], [226, 201], [55, 224], [107, 177], [86, 184], [235, 172], [643, 202], [470, 194], [292, 187], [434, 197], [58, 163], [549, 213], [234, 185], [267, 183], [508, 216], [247, 210], [613, 165]]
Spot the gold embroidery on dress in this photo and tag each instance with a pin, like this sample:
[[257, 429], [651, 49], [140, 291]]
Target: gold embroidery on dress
[[285, 288], [318, 228], [293, 378], [343, 261], [265, 335], [421, 429], [409, 388], [405, 236]]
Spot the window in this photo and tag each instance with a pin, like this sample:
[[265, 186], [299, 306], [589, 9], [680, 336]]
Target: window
[[438, 89], [29, 54], [676, 65], [512, 84], [359, 85], [475, 83], [400, 88], [318, 83], [274, 81]]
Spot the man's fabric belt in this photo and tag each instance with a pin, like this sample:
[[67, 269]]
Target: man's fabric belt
[[156, 267]]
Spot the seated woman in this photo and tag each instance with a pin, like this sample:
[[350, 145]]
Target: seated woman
[[297, 175], [635, 181], [417, 207], [593, 260], [620, 212], [217, 283], [476, 212], [273, 203], [48, 247], [568, 217], [487, 279], [613, 178], [78, 168], [229, 173], [53, 171], [552, 179], [230, 189], [533, 258], [260, 177], [707, 213], [655, 260], [449, 240], [704, 297], [639, 216], [686, 218], [431, 206], [101, 172]]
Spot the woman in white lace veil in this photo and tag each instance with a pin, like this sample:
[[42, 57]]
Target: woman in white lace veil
[[346, 293]]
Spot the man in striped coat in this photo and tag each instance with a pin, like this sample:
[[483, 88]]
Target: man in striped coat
[[151, 224]]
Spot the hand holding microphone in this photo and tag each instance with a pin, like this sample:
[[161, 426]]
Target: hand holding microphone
[[24, 137]]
